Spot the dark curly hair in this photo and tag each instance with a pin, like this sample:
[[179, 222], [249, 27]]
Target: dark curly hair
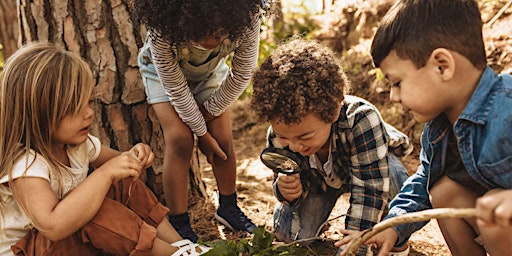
[[180, 21], [298, 78]]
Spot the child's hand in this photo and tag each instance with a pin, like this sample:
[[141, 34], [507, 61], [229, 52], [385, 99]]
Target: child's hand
[[384, 240], [122, 166], [209, 146], [289, 186], [495, 208], [348, 236], [144, 154]]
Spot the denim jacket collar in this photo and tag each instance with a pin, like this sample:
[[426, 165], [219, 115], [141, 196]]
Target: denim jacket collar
[[478, 108]]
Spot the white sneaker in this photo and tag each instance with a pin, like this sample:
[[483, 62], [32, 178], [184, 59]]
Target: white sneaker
[[187, 248]]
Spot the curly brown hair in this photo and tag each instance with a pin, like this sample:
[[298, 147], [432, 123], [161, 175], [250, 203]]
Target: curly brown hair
[[181, 21], [298, 78]]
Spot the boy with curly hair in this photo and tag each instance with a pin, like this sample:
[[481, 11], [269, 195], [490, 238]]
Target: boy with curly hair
[[299, 90], [190, 88], [433, 54]]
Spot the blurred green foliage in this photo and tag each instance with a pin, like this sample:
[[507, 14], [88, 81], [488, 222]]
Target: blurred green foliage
[[294, 23]]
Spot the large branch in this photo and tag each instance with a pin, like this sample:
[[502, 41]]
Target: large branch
[[439, 213]]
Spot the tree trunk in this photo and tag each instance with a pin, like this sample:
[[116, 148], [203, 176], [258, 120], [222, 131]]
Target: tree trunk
[[107, 35], [8, 27]]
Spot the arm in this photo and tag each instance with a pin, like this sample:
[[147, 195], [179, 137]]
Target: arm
[[176, 86], [57, 219], [291, 186], [413, 197], [243, 65], [369, 169], [140, 151]]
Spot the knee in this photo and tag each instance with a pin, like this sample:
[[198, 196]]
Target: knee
[[225, 142], [179, 142], [282, 223], [439, 196], [445, 193]]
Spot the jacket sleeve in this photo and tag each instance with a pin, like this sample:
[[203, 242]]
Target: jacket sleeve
[[413, 197]]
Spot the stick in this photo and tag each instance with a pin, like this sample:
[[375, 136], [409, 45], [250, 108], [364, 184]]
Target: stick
[[500, 12], [439, 213]]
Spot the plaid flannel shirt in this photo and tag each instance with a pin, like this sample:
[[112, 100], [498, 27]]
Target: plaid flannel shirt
[[362, 140]]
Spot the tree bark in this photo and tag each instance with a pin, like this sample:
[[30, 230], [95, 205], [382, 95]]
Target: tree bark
[[107, 36], [8, 27]]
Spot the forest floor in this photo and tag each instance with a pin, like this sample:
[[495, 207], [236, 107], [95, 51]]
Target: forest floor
[[254, 179]]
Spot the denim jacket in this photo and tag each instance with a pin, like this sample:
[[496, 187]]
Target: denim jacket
[[485, 145]]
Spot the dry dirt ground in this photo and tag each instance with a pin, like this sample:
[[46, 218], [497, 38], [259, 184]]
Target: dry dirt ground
[[254, 179]]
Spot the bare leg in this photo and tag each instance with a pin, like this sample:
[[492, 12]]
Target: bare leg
[[166, 232], [224, 170], [165, 236], [163, 248], [179, 144], [458, 233]]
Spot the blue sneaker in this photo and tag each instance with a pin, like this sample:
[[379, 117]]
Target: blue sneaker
[[183, 228], [233, 218]]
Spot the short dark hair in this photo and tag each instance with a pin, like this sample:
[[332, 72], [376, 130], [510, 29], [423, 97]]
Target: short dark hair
[[181, 21], [298, 78], [414, 28]]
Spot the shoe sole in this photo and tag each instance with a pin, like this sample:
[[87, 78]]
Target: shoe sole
[[224, 222]]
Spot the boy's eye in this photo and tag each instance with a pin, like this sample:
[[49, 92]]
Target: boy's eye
[[397, 84]]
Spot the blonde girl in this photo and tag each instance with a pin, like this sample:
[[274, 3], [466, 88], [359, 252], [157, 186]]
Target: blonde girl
[[50, 203]]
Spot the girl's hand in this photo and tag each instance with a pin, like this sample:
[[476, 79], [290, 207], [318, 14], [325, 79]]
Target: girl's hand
[[144, 154], [495, 208], [289, 186], [384, 240], [122, 166], [209, 146]]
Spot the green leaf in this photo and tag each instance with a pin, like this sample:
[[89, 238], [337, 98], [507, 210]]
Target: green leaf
[[262, 239]]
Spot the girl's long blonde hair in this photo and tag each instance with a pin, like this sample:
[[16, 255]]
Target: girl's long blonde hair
[[40, 84]]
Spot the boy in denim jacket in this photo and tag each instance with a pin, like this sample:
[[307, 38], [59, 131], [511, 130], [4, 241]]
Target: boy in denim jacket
[[432, 52]]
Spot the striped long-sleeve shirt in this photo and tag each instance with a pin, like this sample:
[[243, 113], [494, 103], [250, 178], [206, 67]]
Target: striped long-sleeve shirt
[[175, 83]]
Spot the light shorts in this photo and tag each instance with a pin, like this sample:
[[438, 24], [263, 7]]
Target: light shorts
[[155, 92]]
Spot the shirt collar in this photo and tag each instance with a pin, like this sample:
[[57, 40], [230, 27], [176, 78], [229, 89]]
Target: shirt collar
[[478, 108]]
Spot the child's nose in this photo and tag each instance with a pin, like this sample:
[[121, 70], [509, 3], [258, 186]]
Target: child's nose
[[295, 146], [394, 94], [89, 113]]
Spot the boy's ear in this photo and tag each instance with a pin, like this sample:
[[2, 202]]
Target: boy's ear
[[444, 61]]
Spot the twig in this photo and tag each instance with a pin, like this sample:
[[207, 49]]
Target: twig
[[406, 218], [500, 12], [305, 240], [317, 232]]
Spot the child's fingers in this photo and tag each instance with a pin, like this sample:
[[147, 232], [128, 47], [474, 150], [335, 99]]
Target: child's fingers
[[384, 246], [220, 153], [503, 215], [149, 160], [485, 208]]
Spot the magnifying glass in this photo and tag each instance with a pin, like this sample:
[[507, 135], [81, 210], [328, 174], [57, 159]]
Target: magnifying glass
[[283, 160]]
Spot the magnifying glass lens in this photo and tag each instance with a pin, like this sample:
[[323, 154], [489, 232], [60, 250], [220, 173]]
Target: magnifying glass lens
[[279, 163], [283, 160]]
